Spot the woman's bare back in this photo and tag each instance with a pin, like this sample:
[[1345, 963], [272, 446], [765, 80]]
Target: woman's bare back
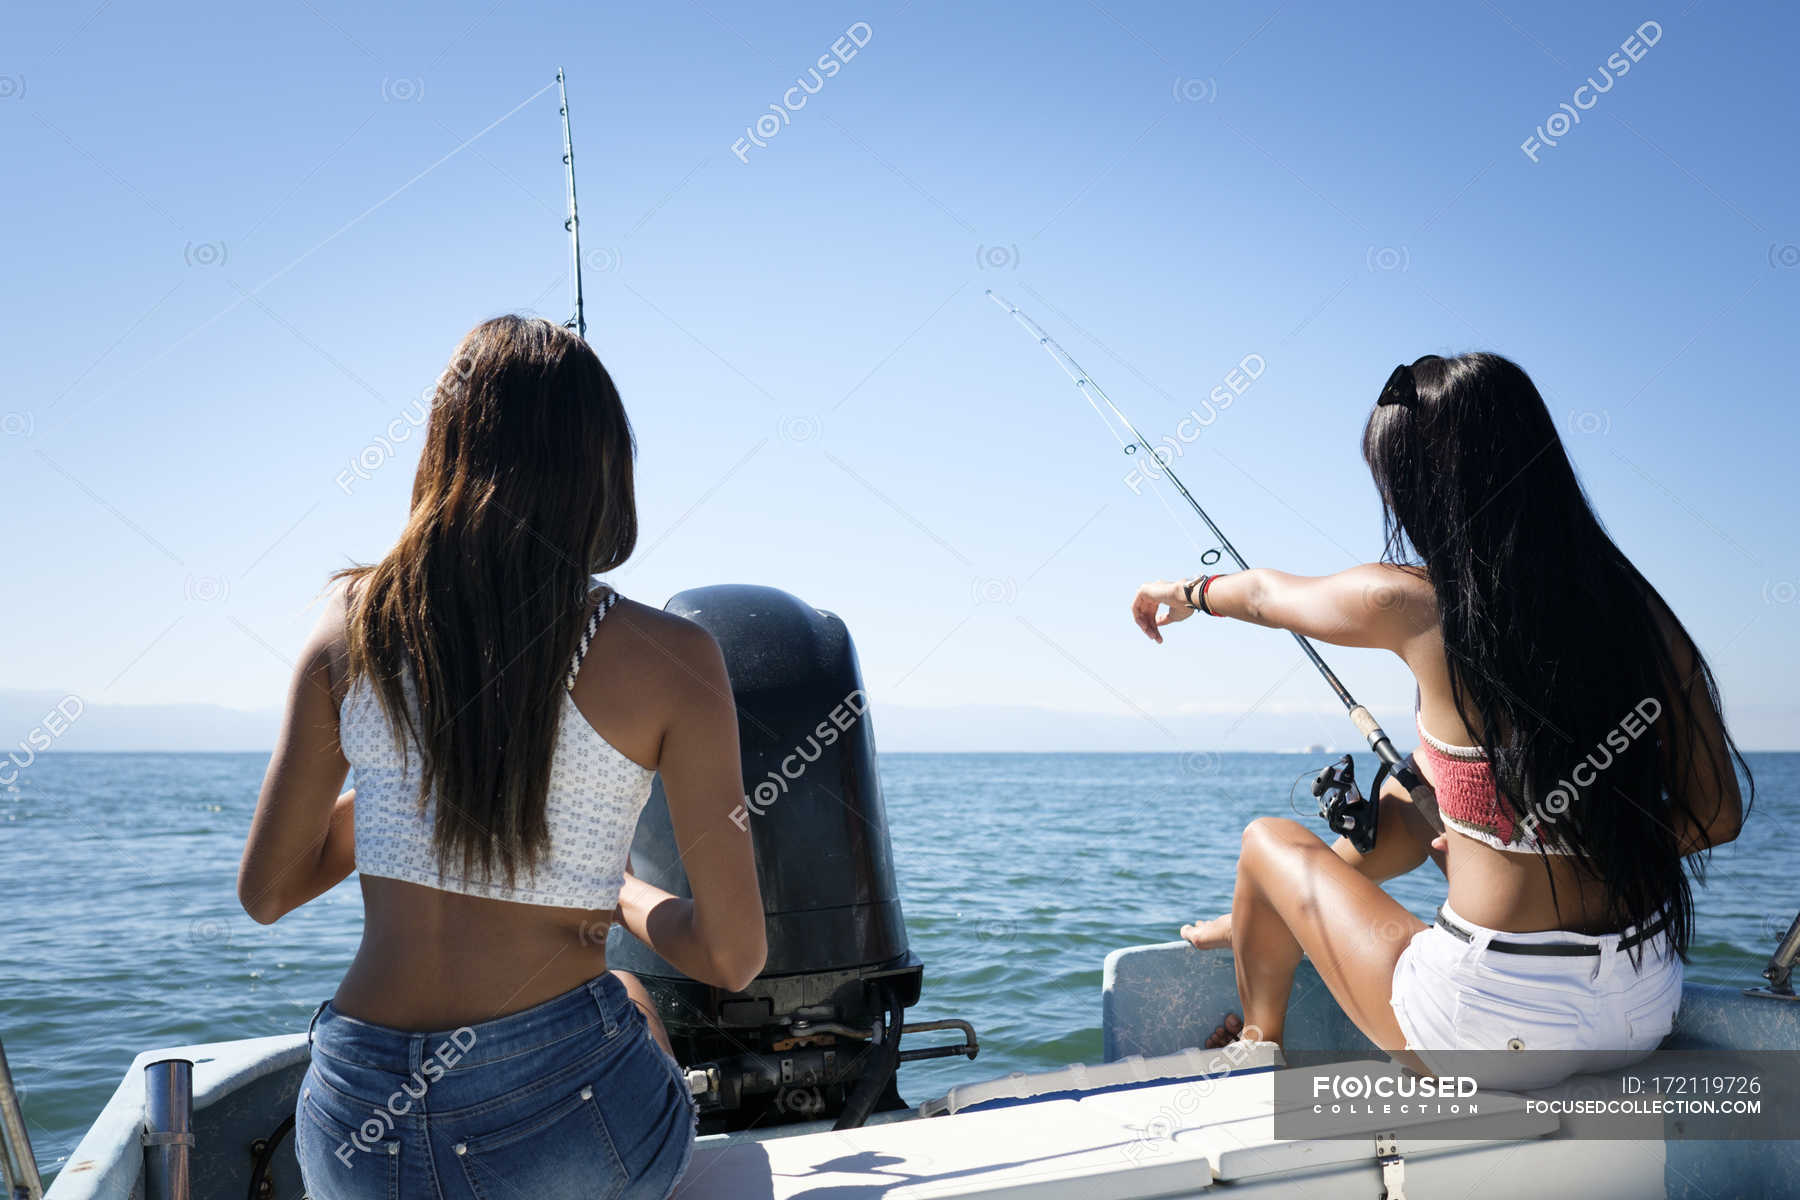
[[432, 959], [1499, 889]]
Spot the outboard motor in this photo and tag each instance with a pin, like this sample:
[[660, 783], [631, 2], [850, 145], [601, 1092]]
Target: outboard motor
[[817, 1034]]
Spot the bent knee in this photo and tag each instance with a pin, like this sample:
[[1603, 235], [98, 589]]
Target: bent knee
[[1265, 832]]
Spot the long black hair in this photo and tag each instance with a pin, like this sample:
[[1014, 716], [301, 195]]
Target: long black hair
[[1582, 684]]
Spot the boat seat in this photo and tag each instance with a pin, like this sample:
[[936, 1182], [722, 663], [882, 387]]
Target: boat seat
[[1051, 1149], [1079, 1081], [1169, 1139]]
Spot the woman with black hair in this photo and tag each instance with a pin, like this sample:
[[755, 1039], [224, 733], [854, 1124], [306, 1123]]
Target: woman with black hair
[[1568, 723]]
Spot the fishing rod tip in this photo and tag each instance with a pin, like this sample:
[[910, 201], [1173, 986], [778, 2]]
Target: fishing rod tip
[[1002, 301]]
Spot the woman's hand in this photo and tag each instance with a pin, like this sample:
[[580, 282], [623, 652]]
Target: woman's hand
[[1163, 593]]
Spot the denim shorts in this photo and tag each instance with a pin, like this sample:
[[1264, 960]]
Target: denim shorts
[[572, 1098], [1482, 1005]]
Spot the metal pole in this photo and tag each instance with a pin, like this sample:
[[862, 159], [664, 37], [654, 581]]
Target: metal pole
[[168, 1128], [577, 321], [18, 1166], [1780, 970]]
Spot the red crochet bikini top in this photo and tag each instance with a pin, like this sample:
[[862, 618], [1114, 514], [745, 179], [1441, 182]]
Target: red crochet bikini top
[[1469, 801]]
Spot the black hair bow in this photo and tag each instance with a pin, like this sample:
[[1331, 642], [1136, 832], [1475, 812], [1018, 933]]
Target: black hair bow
[[1400, 388]]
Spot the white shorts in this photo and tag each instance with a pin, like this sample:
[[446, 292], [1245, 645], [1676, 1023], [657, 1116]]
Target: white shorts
[[1451, 996]]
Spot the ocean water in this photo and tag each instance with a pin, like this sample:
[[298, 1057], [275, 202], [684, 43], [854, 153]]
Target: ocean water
[[120, 929]]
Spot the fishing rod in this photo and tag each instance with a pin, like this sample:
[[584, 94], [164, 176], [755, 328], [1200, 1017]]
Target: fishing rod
[[1337, 780], [578, 320]]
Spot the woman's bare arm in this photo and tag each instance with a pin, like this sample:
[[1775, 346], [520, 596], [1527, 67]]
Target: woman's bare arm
[[1374, 605], [1698, 747], [718, 937], [1404, 838], [302, 839]]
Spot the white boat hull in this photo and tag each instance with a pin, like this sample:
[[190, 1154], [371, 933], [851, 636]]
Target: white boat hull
[[1127, 1133]]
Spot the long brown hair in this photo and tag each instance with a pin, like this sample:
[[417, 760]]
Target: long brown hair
[[523, 494]]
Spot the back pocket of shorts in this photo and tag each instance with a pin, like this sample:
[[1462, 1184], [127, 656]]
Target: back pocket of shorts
[[563, 1152], [336, 1160], [1484, 1021], [1650, 1008]]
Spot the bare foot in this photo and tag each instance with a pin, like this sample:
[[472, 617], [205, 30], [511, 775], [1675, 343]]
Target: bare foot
[[1208, 935], [1227, 1032]]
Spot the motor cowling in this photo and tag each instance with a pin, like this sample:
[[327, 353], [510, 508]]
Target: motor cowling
[[816, 1034]]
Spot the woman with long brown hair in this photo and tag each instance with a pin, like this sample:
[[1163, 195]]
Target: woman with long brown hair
[[504, 719]]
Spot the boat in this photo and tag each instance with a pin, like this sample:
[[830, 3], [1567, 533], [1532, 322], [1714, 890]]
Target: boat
[[1159, 1118], [795, 1077]]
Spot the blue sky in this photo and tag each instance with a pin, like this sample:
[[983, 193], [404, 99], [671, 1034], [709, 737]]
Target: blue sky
[[240, 241]]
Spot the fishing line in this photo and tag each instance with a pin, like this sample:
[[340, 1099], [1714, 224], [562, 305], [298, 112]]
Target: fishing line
[[1361, 717], [1294, 787], [1207, 557]]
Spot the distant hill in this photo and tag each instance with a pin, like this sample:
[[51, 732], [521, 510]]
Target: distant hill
[[961, 729], [974, 728], [180, 727], [977, 728]]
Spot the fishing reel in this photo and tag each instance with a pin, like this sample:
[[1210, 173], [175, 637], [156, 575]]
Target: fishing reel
[[1343, 806]]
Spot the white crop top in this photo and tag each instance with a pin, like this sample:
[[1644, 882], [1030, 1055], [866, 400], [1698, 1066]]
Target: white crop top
[[595, 797]]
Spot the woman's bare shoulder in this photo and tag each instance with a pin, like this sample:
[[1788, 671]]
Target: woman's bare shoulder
[[1400, 595], [1410, 584], [328, 649], [666, 650]]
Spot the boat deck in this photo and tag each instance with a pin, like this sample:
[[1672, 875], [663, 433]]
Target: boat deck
[[1090, 1136]]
